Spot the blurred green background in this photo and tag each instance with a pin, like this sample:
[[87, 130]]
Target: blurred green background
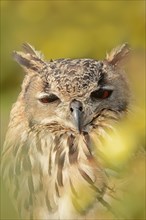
[[74, 29]]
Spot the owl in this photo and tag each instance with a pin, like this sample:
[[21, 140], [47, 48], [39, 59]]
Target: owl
[[50, 161]]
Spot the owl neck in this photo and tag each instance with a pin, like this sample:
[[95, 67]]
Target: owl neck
[[75, 170], [70, 153]]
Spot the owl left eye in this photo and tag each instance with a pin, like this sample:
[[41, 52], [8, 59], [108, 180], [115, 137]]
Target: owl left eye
[[48, 98], [101, 94]]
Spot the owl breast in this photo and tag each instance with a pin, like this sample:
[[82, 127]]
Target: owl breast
[[75, 182], [55, 172]]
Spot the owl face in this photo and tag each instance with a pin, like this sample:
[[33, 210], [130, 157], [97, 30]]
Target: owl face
[[72, 93]]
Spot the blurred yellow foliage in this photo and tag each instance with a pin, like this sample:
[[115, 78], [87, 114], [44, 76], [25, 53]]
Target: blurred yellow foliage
[[121, 145]]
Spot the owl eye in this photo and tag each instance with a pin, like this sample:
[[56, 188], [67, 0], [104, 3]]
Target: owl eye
[[101, 94], [48, 98]]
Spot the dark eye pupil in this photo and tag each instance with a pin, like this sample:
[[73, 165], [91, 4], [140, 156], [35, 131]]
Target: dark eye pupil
[[48, 99], [101, 94]]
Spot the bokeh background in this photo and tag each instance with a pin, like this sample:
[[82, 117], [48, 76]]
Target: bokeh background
[[77, 29]]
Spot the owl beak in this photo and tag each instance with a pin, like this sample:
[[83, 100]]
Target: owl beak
[[77, 114], [78, 120]]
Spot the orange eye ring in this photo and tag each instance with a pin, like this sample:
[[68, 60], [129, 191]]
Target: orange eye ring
[[44, 100], [105, 94]]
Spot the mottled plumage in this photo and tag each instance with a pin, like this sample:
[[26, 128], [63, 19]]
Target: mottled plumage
[[49, 161]]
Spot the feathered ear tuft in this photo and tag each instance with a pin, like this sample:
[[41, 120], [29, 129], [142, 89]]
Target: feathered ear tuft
[[118, 54], [30, 59], [31, 50]]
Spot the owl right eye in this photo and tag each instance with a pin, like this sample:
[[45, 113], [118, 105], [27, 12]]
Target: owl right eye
[[48, 98], [101, 93]]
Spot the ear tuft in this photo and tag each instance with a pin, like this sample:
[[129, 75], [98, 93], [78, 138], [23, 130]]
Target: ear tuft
[[31, 50], [118, 54], [30, 59]]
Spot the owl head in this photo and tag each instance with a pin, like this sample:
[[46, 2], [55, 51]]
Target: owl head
[[74, 94]]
